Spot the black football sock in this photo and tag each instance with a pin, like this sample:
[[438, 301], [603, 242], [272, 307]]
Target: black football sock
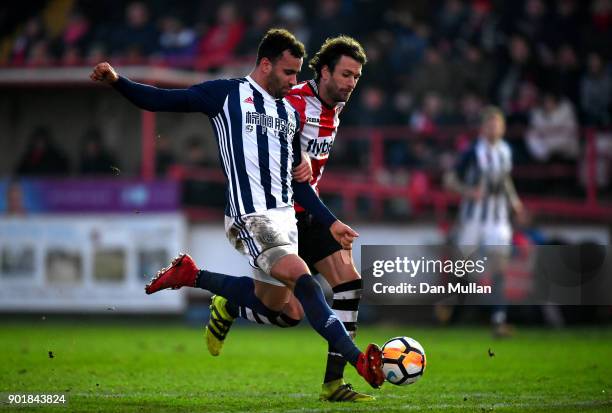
[[346, 304]]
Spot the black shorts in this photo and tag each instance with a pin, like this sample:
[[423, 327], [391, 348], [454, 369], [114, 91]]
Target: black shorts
[[315, 242]]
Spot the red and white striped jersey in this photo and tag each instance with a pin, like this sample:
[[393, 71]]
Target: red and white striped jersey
[[319, 123]]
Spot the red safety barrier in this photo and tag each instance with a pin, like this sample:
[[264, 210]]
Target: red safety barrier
[[423, 191]]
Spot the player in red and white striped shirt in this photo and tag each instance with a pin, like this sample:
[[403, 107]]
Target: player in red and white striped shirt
[[337, 67], [319, 121]]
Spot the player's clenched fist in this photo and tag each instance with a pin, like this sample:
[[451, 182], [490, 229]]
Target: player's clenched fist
[[343, 234], [104, 72]]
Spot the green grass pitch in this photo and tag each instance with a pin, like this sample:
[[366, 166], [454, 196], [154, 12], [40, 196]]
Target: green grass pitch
[[166, 368]]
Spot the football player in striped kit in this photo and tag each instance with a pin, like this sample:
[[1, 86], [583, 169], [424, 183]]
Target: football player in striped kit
[[259, 144], [337, 68], [483, 179]]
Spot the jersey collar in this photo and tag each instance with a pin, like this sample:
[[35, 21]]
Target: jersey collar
[[315, 90], [259, 88], [485, 142]]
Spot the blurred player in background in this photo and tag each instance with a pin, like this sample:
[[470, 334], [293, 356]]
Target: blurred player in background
[[482, 178], [259, 141], [337, 68]]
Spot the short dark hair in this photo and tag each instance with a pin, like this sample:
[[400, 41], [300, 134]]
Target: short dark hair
[[332, 50], [275, 42]]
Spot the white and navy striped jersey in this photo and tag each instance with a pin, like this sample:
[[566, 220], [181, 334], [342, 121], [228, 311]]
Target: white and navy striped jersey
[[319, 126], [486, 166], [255, 133]]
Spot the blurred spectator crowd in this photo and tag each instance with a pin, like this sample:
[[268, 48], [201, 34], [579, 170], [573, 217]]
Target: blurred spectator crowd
[[43, 156], [432, 64]]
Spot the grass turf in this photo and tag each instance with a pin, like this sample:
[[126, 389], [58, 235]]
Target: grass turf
[[135, 367]]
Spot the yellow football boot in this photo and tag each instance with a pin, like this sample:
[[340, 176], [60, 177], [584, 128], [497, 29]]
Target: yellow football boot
[[218, 325]]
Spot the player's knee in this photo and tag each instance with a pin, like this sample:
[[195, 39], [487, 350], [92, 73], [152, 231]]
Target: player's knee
[[289, 269]]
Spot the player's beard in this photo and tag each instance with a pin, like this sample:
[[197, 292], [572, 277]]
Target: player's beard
[[343, 96], [338, 95], [277, 88]]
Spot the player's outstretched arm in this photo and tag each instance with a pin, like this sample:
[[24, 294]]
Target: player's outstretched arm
[[306, 196], [148, 97]]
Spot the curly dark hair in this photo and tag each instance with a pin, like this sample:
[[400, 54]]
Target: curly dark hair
[[332, 50], [275, 42]]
